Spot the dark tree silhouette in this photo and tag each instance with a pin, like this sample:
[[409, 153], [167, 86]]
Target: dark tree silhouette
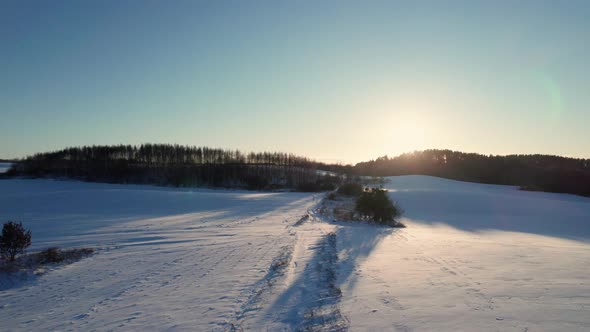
[[14, 240], [350, 189], [374, 204], [176, 165], [531, 172]]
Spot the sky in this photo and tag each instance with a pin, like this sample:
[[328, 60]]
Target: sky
[[338, 81]]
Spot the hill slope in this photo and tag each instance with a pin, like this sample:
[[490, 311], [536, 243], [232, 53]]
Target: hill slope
[[531, 172], [473, 257]]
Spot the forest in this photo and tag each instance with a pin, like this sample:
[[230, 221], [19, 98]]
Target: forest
[[177, 165], [530, 172]]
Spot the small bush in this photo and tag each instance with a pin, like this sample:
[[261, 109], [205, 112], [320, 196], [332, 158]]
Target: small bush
[[14, 240], [343, 213], [374, 204], [332, 196], [350, 189], [316, 186], [51, 255], [56, 255]]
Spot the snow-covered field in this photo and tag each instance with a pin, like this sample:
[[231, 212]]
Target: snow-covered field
[[4, 167], [168, 258], [473, 257]]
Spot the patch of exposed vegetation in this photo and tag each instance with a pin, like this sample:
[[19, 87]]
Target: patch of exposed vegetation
[[34, 261], [350, 189], [26, 268], [371, 205], [322, 183], [374, 205]]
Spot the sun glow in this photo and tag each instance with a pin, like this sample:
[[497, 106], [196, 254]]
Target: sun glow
[[409, 126]]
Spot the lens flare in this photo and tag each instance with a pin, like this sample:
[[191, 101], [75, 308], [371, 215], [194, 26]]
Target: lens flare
[[553, 92]]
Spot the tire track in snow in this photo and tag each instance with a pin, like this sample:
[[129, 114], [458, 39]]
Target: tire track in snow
[[322, 309], [259, 292], [167, 275], [309, 299]]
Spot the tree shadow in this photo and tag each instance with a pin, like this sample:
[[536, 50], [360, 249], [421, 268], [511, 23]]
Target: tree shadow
[[477, 207], [357, 242], [70, 213], [311, 301]]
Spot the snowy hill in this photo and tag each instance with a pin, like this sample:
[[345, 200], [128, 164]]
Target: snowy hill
[[473, 257]]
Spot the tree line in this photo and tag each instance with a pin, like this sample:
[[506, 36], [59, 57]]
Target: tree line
[[530, 172], [177, 165]]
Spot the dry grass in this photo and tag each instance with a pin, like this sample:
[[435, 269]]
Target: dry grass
[[53, 255]]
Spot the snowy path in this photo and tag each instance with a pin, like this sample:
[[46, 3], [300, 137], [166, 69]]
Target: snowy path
[[307, 298]]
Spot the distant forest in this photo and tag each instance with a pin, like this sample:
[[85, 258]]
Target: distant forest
[[530, 172], [177, 165]]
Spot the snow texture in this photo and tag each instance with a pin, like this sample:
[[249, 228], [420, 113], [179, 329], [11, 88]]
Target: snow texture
[[473, 257]]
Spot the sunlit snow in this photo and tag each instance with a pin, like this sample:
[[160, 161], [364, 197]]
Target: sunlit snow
[[473, 257]]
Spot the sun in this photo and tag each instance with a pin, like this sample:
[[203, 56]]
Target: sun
[[409, 126]]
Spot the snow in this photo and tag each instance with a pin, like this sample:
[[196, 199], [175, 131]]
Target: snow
[[4, 167], [473, 257], [168, 259]]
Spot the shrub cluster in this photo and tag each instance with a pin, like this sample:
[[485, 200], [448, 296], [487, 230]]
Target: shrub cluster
[[51, 255], [374, 204], [323, 183], [56, 255], [350, 189]]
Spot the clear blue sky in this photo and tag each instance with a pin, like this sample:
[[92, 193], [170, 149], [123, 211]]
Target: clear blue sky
[[333, 80]]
